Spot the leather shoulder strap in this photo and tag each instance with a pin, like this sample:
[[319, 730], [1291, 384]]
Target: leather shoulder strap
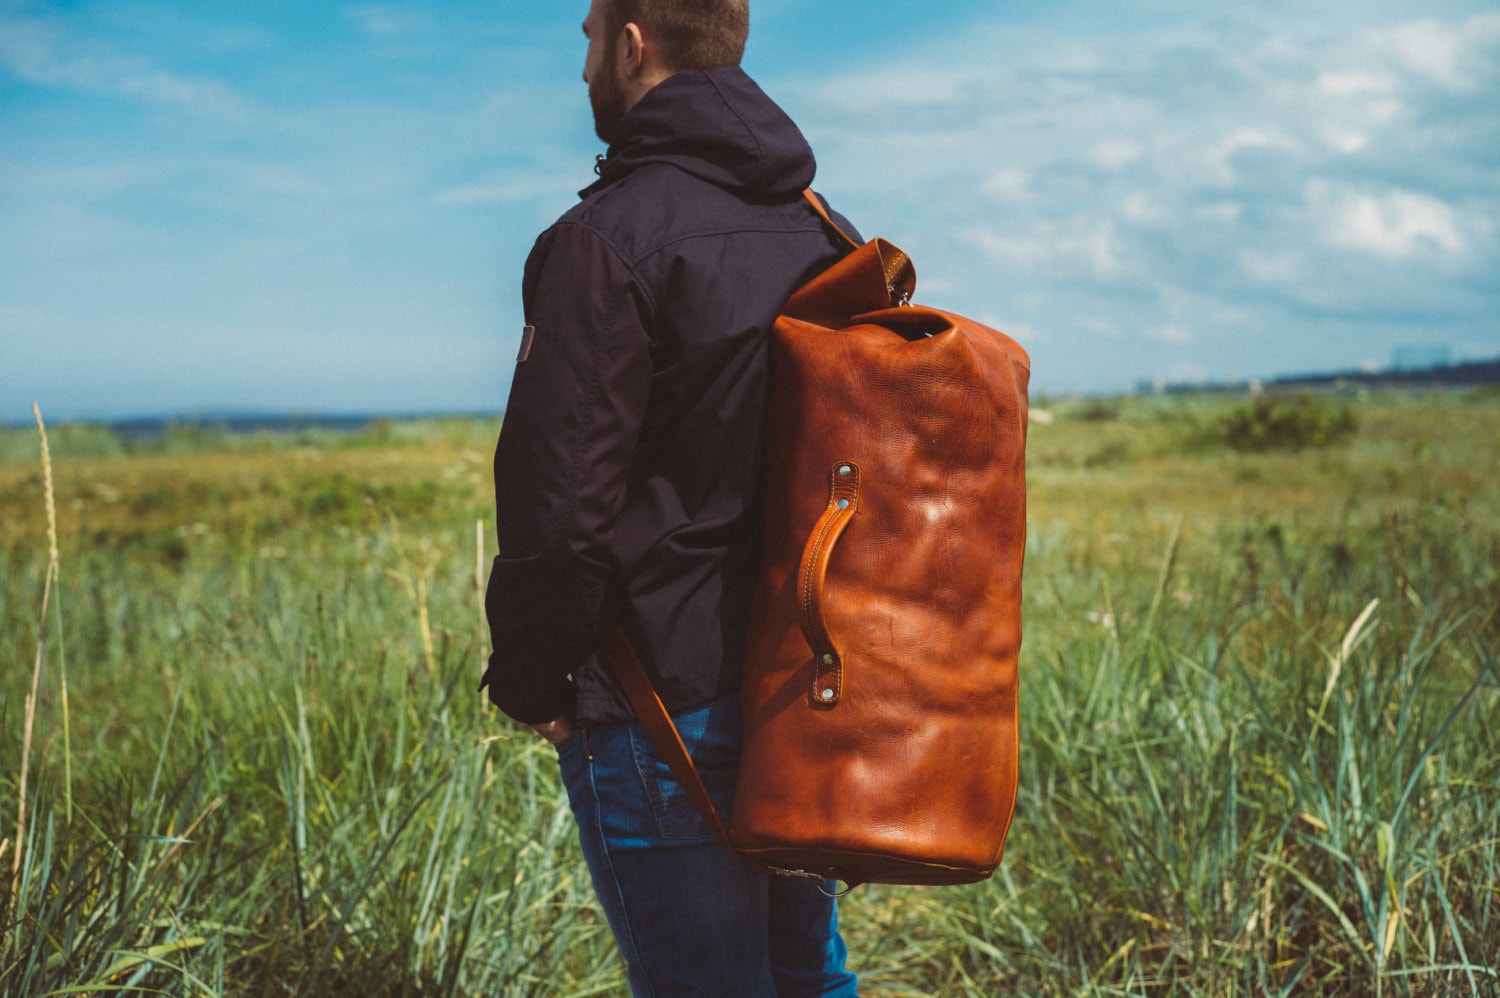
[[654, 717], [826, 216]]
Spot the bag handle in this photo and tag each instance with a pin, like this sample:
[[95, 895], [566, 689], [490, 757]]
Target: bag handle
[[843, 501]]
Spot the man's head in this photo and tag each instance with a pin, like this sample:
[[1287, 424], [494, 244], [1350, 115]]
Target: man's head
[[635, 44]]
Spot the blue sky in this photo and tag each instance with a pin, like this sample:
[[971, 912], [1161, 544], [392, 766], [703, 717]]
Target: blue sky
[[281, 206]]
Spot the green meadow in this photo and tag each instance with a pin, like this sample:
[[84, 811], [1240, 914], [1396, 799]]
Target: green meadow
[[242, 753]]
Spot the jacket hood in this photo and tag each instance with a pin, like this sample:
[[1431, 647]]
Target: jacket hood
[[719, 126]]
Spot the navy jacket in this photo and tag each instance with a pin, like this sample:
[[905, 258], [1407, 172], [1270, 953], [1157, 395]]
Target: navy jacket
[[630, 461]]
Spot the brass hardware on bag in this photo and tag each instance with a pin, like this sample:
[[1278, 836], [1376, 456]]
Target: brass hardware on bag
[[833, 894], [820, 878]]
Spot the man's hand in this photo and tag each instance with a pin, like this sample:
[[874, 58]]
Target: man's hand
[[556, 730]]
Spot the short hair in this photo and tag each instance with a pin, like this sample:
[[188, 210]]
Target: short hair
[[691, 34]]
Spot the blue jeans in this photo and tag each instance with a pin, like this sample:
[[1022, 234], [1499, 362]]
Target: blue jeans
[[690, 917]]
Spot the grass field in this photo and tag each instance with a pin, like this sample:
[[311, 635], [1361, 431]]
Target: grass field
[[1258, 696]]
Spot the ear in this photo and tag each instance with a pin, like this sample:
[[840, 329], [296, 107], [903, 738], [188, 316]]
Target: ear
[[632, 53]]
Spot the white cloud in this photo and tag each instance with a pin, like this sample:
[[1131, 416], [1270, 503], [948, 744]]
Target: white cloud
[[1395, 225], [1429, 49], [1221, 212], [1309, 172], [1279, 167], [1099, 326], [1023, 333], [1346, 140], [40, 53], [905, 87], [1172, 333], [507, 187], [1142, 208], [1088, 245], [1011, 184], [1272, 268], [1454, 56], [1221, 158], [388, 19], [1356, 83], [1112, 155]]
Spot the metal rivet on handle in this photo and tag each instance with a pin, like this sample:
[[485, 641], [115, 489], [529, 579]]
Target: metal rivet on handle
[[846, 470], [827, 659], [828, 694], [843, 504]]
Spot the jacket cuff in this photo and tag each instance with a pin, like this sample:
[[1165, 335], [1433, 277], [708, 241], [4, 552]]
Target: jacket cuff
[[529, 706]]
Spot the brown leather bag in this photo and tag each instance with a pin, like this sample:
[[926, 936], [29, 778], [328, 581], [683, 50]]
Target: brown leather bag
[[879, 696]]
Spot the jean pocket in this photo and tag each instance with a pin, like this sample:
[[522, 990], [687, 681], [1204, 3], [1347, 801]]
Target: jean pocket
[[572, 766], [569, 744], [711, 735]]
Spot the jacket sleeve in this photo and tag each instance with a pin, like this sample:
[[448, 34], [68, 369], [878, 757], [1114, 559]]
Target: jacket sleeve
[[576, 406]]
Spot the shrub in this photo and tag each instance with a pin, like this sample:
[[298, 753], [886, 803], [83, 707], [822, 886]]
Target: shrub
[[1287, 423], [1100, 411]]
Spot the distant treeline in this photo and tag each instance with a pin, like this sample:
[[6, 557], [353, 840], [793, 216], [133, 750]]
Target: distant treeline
[[147, 429], [1470, 375], [1473, 374]]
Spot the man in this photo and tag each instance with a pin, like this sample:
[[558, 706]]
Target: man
[[627, 477]]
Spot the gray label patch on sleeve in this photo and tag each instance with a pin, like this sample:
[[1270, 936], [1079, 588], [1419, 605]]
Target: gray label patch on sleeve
[[528, 333]]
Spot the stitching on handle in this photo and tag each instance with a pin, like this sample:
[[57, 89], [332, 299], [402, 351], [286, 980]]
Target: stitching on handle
[[843, 488]]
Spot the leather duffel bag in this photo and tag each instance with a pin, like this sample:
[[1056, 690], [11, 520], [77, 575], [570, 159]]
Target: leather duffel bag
[[879, 697]]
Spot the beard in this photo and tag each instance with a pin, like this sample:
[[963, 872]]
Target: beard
[[607, 98]]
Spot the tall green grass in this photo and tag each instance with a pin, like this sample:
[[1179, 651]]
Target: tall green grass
[[1257, 705], [1278, 792]]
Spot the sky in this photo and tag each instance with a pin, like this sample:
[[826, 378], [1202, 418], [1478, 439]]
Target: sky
[[296, 207]]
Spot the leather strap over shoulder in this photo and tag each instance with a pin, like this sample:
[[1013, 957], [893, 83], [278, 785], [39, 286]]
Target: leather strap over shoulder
[[823, 213], [895, 267]]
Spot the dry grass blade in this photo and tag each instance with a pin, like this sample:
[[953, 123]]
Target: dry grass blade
[[184, 838], [484, 632], [29, 724], [1356, 633]]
